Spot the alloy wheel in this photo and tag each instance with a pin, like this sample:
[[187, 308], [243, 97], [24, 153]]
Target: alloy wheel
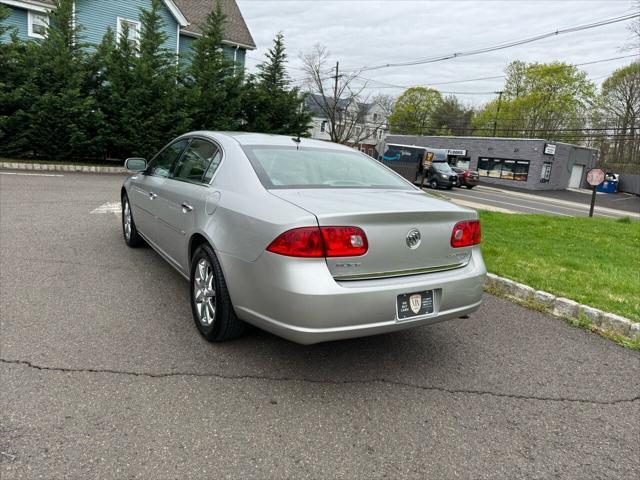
[[126, 218], [204, 292]]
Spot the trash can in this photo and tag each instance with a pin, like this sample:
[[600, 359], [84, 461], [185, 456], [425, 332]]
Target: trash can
[[610, 184]]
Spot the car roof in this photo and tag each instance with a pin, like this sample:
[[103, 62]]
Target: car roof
[[247, 138]]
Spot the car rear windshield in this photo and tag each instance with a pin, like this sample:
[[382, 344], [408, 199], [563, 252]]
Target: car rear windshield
[[288, 167]]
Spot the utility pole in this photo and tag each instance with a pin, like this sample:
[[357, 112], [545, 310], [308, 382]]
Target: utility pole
[[335, 85], [336, 111], [495, 120]]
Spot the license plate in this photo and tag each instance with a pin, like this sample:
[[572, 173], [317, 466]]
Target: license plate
[[415, 304]]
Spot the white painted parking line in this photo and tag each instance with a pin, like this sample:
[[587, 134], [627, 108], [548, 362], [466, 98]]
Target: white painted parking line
[[32, 174], [466, 195], [564, 203], [583, 209], [109, 207], [481, 206]]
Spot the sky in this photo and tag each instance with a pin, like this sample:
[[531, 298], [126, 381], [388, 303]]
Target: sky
[[361, 33]]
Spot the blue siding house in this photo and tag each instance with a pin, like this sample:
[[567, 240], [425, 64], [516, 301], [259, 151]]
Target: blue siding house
[[182, 19]]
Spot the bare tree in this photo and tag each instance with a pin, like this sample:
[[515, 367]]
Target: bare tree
[[341, 99], [634, 32]]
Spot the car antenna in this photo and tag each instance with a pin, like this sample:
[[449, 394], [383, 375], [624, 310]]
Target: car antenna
[[298, 141]]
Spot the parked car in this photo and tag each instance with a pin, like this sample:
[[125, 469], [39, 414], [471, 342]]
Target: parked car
[[309, 240], [440, 174], [466, 178]]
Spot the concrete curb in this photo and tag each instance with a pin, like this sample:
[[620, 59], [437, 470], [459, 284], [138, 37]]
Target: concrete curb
[[562, 307], [60, 167]]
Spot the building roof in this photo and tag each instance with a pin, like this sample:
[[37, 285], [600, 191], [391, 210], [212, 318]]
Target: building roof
[[196, 12], [314, 101], [510, 139]]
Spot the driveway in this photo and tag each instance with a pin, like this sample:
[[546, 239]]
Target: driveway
[[104, 375]]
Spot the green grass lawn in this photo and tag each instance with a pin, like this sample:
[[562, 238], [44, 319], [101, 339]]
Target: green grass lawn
[[594, 261]]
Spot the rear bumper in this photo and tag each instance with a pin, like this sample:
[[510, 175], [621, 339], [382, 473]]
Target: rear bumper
[[469, 181], [298, 299]]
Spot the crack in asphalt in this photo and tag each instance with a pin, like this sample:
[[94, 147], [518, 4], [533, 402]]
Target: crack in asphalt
[[320, 381]]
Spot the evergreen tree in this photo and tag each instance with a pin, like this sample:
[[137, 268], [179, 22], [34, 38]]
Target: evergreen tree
[[155, 94], [114, 65], [12, 66], [270, 105], [59, 119], [138, 89], [273, 74], [214, 81]]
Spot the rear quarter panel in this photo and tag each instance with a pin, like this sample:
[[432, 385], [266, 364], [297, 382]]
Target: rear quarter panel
[[248, 218]]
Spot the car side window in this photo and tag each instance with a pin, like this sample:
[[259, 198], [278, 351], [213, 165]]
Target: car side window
[[161, 165], [199, 162]]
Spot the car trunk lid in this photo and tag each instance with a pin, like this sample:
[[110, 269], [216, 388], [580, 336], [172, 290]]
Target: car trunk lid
[[389, 218]]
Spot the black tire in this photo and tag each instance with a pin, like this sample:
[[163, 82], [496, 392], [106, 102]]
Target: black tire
[[450, 187], [224, 324], [434, 184], [469, 186], [132, 238]]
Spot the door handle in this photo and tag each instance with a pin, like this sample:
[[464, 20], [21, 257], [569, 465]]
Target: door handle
[[153, 195], [186, 208]]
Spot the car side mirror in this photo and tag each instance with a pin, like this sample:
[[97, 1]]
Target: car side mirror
[[135, 164]]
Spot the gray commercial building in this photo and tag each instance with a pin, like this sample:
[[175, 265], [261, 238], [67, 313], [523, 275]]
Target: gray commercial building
[[532, 164]]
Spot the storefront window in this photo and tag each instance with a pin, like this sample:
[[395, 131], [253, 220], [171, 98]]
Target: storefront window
[[508, 169], [517, 170], [522, 171], [462, 162], [483, 166], [494, 168]]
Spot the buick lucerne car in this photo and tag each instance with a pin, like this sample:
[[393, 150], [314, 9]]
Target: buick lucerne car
[[309, 240]]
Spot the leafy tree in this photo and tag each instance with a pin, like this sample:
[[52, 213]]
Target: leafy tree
[[214, 81], [620, 107], [414, 111], [539, 100], [452, 118], [269, 104]]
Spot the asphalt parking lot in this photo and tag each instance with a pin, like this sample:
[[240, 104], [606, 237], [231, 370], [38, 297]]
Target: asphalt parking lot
[[104, 375], [574, 203]]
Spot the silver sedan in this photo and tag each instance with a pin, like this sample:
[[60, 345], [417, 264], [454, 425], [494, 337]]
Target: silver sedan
[[309, 240]]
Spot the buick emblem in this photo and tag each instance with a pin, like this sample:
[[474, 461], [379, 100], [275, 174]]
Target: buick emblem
[[414, 238]]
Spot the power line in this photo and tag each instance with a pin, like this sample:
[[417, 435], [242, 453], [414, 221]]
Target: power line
[[390, 85], [501, 46]]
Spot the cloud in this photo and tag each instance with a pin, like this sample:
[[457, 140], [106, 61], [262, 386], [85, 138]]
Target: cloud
[[362, 33]]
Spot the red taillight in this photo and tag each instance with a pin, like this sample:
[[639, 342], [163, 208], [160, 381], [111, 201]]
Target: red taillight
[[321, 242], [344, 241], [465, 234], [299, 242]]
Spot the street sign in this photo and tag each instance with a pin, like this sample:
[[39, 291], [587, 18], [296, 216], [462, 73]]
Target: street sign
[[549, 149], [595, 177]]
